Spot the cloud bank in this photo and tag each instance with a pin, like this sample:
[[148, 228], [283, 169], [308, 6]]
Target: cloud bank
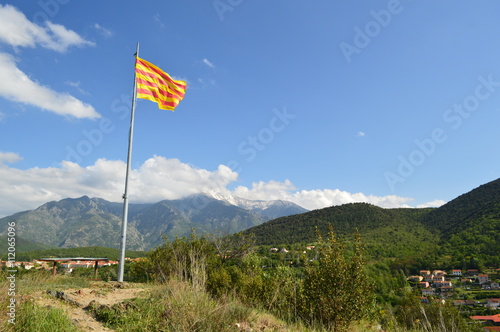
[[158, 178], [17, 31]]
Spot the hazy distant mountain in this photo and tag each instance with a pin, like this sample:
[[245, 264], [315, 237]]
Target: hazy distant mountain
[[84, 221], [73, 223], [269, 209]]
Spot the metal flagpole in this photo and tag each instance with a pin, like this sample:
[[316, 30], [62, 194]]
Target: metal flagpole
[[121, 263]]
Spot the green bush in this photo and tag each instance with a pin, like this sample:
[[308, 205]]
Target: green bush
[[337, 291]]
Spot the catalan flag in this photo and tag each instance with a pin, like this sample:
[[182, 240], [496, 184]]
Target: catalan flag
[[156, 85]]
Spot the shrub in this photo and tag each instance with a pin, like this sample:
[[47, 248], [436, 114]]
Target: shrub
[[336, 292]]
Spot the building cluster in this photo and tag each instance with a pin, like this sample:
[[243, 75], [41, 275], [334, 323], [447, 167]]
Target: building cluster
[[440, 283], [69, 266]]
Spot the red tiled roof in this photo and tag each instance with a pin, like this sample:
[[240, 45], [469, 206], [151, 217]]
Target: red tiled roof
[[493, 318]]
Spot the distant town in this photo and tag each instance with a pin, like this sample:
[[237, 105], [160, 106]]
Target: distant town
[[462, 288]]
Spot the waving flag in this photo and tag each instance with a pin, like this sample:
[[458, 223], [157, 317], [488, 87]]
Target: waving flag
[[156, 85], [153, 84]]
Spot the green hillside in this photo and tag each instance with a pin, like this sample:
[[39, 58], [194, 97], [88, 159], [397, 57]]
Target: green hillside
[[461, 212], [385, 232], [465, 230], [477, 237]]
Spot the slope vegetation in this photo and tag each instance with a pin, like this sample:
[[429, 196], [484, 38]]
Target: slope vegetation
[[385, 232]]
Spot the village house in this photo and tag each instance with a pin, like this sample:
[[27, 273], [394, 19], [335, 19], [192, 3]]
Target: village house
[[428, 292], [488, 320], [443, 283], [456, 272], [42, 264], [424, 273], [482, 278], [28, 265], [471, 302], [446, 290], [424, 284], [67, 267], [493, 303], [472, 272], [415, 278], [439, 273], [437, 279], [428, 278]]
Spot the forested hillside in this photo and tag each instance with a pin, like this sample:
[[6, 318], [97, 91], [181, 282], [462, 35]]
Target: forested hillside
[[465, 228], [385, 232], [462, 211]]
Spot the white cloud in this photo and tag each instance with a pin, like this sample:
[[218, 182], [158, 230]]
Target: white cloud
[[157, 19], [272, 190], [360, 134], [17, 86], [16, 30], [9, 157], [103, 31], [77, 86], [208, 63], [434, 203], [158, 178], [315, 199], [161, 178]]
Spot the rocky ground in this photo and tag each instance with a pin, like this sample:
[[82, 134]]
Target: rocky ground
[[77, 301]]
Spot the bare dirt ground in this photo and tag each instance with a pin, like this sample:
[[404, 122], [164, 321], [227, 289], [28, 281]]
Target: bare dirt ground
[[73, 301]]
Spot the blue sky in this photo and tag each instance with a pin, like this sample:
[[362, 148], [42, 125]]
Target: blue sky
[[327, 102]]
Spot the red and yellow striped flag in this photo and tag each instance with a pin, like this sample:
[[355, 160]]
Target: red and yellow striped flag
[[156, 85]]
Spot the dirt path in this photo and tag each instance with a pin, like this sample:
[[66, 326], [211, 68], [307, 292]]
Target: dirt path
[[73, 301]]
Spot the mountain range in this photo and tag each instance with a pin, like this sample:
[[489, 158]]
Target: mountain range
[[84, 221], [467, 228]]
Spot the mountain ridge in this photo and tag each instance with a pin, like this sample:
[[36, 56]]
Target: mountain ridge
[[85, 221], [465, 227]]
